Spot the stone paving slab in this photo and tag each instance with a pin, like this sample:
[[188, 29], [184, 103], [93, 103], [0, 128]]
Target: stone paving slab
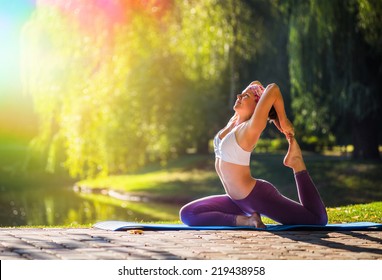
[[93, 244]]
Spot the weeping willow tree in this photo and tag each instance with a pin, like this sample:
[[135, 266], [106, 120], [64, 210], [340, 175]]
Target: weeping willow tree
[[213, 38], [335, 73], [117, 84], [311, 62]]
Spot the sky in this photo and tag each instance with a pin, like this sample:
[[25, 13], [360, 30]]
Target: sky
[[13, 15], [16, 117]]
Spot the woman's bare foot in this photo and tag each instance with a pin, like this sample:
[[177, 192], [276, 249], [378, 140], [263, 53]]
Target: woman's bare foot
[[293, 158], [253, 220]]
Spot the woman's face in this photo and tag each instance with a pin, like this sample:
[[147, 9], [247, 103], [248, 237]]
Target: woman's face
[[246, 101]]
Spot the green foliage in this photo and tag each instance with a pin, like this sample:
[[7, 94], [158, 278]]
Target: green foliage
[[271, 145], [199, 37], [114, 93], [369, 20], [331, 77], [310, 58], [114, 96]]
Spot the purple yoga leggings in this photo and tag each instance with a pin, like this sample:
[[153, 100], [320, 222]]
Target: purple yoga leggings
[[264, 199]]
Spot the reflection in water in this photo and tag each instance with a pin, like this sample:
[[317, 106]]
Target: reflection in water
[[65, 207]]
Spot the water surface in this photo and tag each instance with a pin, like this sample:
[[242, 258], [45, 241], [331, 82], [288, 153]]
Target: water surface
[[63, 206]]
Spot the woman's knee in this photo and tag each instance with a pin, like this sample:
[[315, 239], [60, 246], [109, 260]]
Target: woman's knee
[[186, 214], [323, 219], [320, 220]]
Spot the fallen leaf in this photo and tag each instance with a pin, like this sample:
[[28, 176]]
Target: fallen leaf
[[136, 231]]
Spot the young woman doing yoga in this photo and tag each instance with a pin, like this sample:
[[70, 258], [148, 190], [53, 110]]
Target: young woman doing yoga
[[247, 197]]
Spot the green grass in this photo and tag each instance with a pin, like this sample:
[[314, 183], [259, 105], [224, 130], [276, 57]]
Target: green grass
[[356, 213], [370, 212], [182, 180]]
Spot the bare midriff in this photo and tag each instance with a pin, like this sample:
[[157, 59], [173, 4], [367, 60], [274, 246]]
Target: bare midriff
[[236, 179]]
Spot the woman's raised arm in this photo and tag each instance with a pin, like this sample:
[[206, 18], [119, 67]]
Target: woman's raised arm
[[271, 97]]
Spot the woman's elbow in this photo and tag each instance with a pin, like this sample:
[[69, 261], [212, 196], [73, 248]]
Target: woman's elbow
[[274, 86], [274, 90]]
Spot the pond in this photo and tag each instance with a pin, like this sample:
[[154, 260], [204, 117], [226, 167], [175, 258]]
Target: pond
[[63, 206]]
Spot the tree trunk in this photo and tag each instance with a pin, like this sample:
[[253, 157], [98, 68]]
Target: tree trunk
[[203, 146], [232, 59], [232, 73], [365, 139]]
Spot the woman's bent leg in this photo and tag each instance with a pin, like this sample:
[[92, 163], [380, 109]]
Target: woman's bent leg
[[309, 196], [307, 191], [267, 200], [217, 210]]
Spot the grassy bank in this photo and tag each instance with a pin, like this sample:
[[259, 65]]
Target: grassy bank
[[351, 190]]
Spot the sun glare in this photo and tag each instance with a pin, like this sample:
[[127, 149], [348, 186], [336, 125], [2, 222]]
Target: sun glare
[[13, 14]]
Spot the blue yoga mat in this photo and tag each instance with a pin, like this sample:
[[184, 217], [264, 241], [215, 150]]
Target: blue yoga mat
[[123, 226]]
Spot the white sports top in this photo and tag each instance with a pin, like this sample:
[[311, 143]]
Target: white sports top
[[229, 150]]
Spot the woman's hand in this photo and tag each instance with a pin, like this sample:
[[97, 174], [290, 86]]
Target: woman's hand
[[287, 128], [276, 122], [256, 83]]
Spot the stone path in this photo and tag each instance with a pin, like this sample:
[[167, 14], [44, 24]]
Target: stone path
[[90, 244]]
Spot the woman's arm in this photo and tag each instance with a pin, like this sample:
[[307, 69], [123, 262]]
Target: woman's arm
[[257, 123], [255, 83]]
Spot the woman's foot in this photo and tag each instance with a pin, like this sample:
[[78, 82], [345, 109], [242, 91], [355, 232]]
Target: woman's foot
[[293, 158], [256, 221], [253, 220]]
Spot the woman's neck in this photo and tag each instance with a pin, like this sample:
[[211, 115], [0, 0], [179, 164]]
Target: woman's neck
[[240, 120], [235, 121]]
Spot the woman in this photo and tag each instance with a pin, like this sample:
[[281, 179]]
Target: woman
[[246, 197]]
